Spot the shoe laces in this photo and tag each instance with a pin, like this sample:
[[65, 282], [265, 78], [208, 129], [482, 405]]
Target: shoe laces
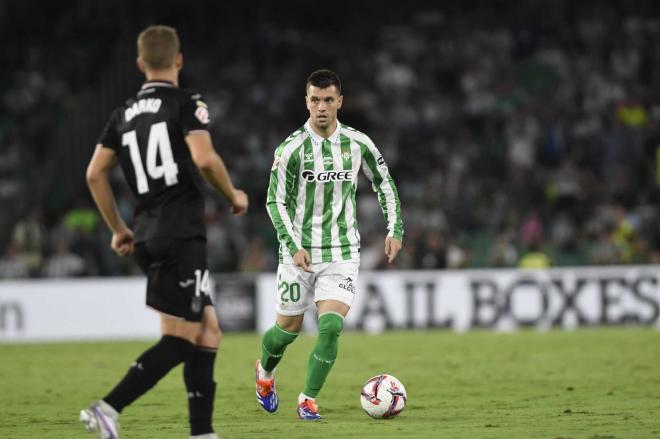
[[264, 387], [310, 405]]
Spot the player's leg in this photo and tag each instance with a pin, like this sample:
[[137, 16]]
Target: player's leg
[[192, 287], [335, 292], [293, 287], [323, 355], [276, 339], [273, 344], [158, 259], [198, 374], [175, 345]]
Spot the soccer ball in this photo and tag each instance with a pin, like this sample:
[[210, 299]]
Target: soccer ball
[[383, 397]]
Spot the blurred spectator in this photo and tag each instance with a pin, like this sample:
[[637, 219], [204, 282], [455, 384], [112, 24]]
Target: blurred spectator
[[83, 218], [28, 240], [432, 254], [535, 258], [531, 230], [255, 258], [604, 250], [12, 265], [503, 253], [63, 262], [487, 125]]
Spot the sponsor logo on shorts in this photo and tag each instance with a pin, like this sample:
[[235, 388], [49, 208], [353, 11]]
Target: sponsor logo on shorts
[[347, 285]]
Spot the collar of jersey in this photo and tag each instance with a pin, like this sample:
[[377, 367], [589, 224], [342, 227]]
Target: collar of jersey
[[159, 83], [333, 138]]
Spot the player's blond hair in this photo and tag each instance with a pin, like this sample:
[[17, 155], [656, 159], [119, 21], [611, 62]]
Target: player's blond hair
[[158, 47]]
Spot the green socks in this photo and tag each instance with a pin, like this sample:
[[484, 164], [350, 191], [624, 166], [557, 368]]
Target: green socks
[[324, 353], [323, 356], [273, 345]]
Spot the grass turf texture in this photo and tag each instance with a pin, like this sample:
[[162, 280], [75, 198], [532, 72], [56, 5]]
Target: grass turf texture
[[600, 383]]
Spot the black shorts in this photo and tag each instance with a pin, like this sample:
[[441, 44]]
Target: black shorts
[[177, 276]]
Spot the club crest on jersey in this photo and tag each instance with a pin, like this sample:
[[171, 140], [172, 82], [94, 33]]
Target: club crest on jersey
[[345, 155], [202, 114], [326, 176], [309, 157]]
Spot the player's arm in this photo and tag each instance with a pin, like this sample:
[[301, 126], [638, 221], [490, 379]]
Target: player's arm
[[283, 178], [103, 160], [213, 169], [376, 170]]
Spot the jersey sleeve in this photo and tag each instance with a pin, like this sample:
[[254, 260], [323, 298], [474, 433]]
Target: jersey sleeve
[[283, 177], [375, 168], [194, 114], [109, 137]]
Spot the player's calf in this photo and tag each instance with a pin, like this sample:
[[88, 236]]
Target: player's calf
[[198, 377]]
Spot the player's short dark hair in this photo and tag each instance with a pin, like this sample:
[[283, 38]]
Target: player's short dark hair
[[158, 46], [324, 78]]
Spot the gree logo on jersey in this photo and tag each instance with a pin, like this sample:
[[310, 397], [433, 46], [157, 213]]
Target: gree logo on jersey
[[150, 105], [327, 176]]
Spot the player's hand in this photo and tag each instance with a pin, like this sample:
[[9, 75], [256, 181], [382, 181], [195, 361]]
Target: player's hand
[[122, 242], [302, 260], [239, 205], [392, 248]]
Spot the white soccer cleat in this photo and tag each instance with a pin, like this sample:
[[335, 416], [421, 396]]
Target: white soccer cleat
[[98, 421], [206, 436]]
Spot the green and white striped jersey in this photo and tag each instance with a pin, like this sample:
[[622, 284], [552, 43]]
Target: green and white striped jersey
[[311, 194]]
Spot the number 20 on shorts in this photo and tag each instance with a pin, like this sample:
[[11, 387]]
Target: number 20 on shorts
[[289, 289]]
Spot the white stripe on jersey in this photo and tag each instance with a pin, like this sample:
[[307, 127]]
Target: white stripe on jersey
[[352, 233], [317, 217], [338, 163]]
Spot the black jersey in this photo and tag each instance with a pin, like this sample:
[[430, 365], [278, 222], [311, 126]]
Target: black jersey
[[148, 135]]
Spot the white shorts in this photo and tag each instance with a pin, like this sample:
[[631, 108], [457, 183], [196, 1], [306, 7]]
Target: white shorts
[[330, 281]]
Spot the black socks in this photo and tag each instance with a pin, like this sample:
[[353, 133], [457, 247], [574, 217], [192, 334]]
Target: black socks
[[198, 376], [148, 369], [156, 362]]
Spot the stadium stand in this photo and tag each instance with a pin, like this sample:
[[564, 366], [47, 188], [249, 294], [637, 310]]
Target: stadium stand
[[508, 132]]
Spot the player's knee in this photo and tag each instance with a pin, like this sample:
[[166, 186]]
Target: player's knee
[[330, 325], [210, 336], [291, 324]]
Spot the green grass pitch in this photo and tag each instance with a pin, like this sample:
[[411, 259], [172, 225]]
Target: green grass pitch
[[597, 383]]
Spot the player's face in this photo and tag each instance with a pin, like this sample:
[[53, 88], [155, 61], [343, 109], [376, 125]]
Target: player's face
[[323, 104]]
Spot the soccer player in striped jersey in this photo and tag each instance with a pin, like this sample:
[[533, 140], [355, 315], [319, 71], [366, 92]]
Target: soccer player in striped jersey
[[311, 202]]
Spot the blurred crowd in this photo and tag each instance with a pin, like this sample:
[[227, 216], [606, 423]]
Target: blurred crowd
[[518, 134]]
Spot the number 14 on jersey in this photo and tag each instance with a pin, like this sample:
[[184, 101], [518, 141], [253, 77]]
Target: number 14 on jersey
[[158, 144]]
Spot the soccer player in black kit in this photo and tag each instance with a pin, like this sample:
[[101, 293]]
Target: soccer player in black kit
[[161, 141]]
